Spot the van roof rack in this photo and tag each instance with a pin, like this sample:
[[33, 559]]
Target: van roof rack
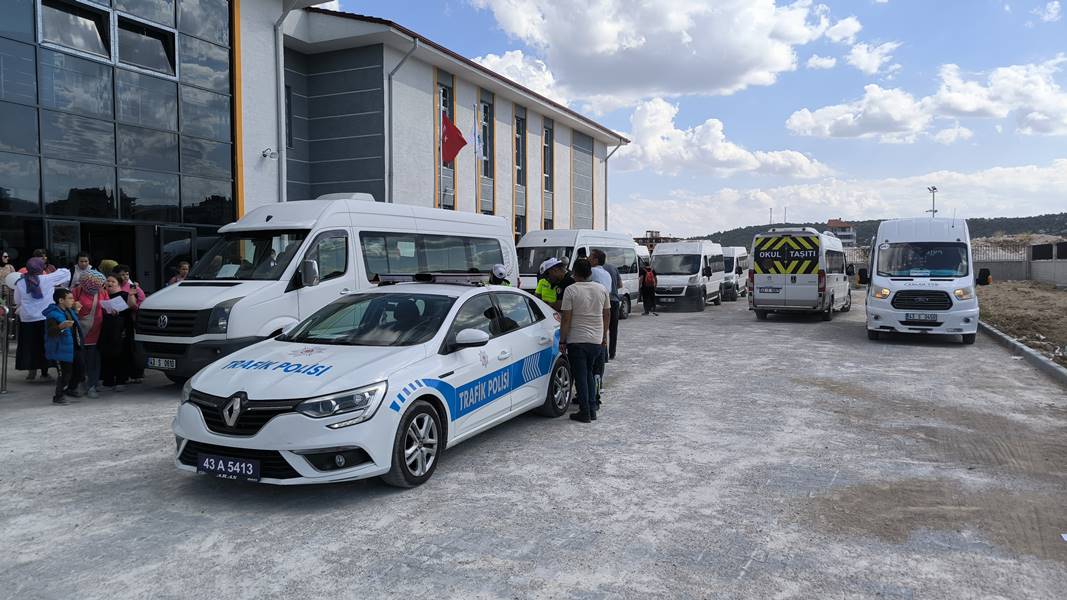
[[471, 279], [793, 230]]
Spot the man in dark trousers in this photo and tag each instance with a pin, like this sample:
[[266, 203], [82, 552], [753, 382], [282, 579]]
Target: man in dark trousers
[[599, 259], [583, 334], [648, 289], [63, 344]]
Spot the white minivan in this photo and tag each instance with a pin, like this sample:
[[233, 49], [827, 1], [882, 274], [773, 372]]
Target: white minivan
[[570, 244], [280, 263], [736, 262], [798, 269], [690, 272], [921, 279]]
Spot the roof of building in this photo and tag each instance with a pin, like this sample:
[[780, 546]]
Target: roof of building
[[838, 223], [473, 65]]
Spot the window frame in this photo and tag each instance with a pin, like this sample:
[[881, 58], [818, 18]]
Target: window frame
[[500, 312], [313, 249], [451, 332], [420, 248]]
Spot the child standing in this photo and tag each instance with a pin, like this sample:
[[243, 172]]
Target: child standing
[[63, 344]]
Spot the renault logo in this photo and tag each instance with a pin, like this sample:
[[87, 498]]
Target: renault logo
[[162, 322], [232, 410]]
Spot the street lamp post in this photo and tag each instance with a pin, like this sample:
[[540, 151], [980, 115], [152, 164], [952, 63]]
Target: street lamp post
[[933, 201]]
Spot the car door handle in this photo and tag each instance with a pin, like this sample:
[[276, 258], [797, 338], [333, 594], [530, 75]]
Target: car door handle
[[504, 355], [544, 341], [344, 291]]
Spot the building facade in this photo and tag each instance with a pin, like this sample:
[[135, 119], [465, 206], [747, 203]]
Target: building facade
[[132, 130], [845, 232]]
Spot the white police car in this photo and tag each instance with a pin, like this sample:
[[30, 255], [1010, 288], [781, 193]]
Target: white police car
[[374, 384]]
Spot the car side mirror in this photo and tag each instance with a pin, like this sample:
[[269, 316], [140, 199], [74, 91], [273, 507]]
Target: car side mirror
[[850, 270], [984, 277], [707, 271], [470, 338], [309, 273], [739, 271], [865, 277]]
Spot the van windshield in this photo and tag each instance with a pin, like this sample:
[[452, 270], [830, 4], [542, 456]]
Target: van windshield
[[395, 319], [676, 264], [728, 262], [923, 259], [249, 255], [531, 257]]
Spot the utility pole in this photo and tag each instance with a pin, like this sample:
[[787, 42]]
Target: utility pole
[[771, 221], [933, 201], [785, 218]]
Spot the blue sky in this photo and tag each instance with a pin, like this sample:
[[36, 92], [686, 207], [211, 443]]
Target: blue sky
[[729, 119]]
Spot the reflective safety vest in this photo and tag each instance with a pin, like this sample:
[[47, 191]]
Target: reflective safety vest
[[545, 291]]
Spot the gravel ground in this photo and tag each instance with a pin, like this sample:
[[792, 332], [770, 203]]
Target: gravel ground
[[733, 458], [1032, 312]]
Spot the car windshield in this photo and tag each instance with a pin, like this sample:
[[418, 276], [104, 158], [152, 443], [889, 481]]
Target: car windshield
[[393, 319], [249, 255], [728, 261], [531, 257], [923, 259], [676, 264]]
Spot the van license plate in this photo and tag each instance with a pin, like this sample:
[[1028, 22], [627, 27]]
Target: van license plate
[[161, 363], [920, 316], [665, 300], [770, 290], [243, 469]]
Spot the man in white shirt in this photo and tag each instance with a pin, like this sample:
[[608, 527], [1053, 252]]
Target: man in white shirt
[[586, 314]]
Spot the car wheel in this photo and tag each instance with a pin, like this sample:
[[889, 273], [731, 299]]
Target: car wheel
[[828, 314], [968, 338], [559, 391], [178, 379], [417, 446], [848, 303], [718, 298], [761, 315], [873, 335], [624, 310]]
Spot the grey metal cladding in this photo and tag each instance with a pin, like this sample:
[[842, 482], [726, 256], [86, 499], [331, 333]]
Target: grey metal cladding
[[375, 188], [299, 128], [346, 170], [582, 181], [487, 194], [350, 125], [297, 171], [349, 58], [344, 81], [298, 191], [346, 104], [583, 142], [520, 200], [299, 150], [298, 104], [547, 199], [347, 148]]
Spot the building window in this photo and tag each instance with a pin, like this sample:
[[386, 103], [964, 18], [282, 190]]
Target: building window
[[76, 26], [146, 47], [520, 172], [487, 148], [288, 116], [548, 173], [446, 107], [487, 138], [581, 181]]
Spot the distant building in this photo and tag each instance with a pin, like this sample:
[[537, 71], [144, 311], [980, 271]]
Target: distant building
[[652, 238], [844, 231]]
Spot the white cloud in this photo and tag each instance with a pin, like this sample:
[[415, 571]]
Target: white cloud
[[845, 30], [659, 145], [331, 5], [870, 58], [525, 70], [953, 134], [628, 50], [999, 191], [891, 115], [821, 62], [1050, 13]]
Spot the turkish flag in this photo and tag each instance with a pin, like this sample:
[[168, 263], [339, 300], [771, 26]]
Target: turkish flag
[[451, 140]]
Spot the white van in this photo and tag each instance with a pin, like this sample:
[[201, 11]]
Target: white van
[[688, 272], [921, 279], [798, 269], [570, 244], [736, 263], [280, 263]]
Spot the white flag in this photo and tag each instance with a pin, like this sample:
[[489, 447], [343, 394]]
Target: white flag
[[476, 133]]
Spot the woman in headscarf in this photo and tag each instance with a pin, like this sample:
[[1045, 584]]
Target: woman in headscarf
[[33, 294], [116, 340], [90, 295]]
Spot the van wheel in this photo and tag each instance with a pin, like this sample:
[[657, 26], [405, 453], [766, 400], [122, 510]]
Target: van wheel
[[178, 379], [718, 298], [848, 303], [417, 446], [624, 309], [968, 338], [702, 301], [761, 315], [873, 335], [828, 314], [559, 391]]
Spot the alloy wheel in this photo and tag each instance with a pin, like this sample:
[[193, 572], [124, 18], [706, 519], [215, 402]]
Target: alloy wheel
[[561, 387], [420, 444]]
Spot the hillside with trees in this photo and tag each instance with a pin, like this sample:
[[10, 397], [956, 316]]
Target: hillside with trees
[[1053, 224]]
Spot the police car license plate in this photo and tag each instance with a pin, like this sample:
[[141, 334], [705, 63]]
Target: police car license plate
[[770, 290], [228, 468], [161, 363], [920, 316]]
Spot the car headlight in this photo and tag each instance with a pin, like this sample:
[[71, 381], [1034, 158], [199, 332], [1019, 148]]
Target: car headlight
[[187, 390], [219, 320], [882, 294], [364, 401], [966, 293], [694, 279]]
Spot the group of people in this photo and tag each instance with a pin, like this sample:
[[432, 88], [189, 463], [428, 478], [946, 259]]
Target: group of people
[[80, 322]]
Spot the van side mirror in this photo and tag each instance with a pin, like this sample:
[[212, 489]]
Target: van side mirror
[[707, 271], [850, 270], [309, 273], [470, 338], [865, 277], [984, 277], [739, 271]]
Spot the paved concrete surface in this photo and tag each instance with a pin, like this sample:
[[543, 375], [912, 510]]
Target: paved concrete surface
[[733, 458]]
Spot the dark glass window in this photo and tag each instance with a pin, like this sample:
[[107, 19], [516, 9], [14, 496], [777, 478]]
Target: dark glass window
[[207, 201], [201, 157], [75, 84], [17, 23], [205, 64], [76, 26], [18, 128], [146, 100], [205, 114], [78, 138], [206, 19], [160, 11], [18, 74], [78, 190], [20, 184], [148, 196], [19, 236], [146, 46], [147, 148]]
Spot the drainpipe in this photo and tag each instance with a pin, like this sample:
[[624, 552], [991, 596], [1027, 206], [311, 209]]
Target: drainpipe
[[389, 125], [606, 158], [279, 73]]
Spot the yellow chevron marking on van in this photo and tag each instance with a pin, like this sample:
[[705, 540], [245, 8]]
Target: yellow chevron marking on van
[[778, 268], [781, 242], [803, 267], [757, 268], [793, 242], [765, 243], [804, 242]]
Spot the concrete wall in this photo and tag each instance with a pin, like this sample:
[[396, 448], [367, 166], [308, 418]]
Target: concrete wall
[[414, 102], [1049, 271], [563, 177], [1005, 270], [259, 175]]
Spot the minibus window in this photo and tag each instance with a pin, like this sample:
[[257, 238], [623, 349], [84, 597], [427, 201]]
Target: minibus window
[[531, 257], [249, 255], [410, 253], [923, 259], [676, 264]]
